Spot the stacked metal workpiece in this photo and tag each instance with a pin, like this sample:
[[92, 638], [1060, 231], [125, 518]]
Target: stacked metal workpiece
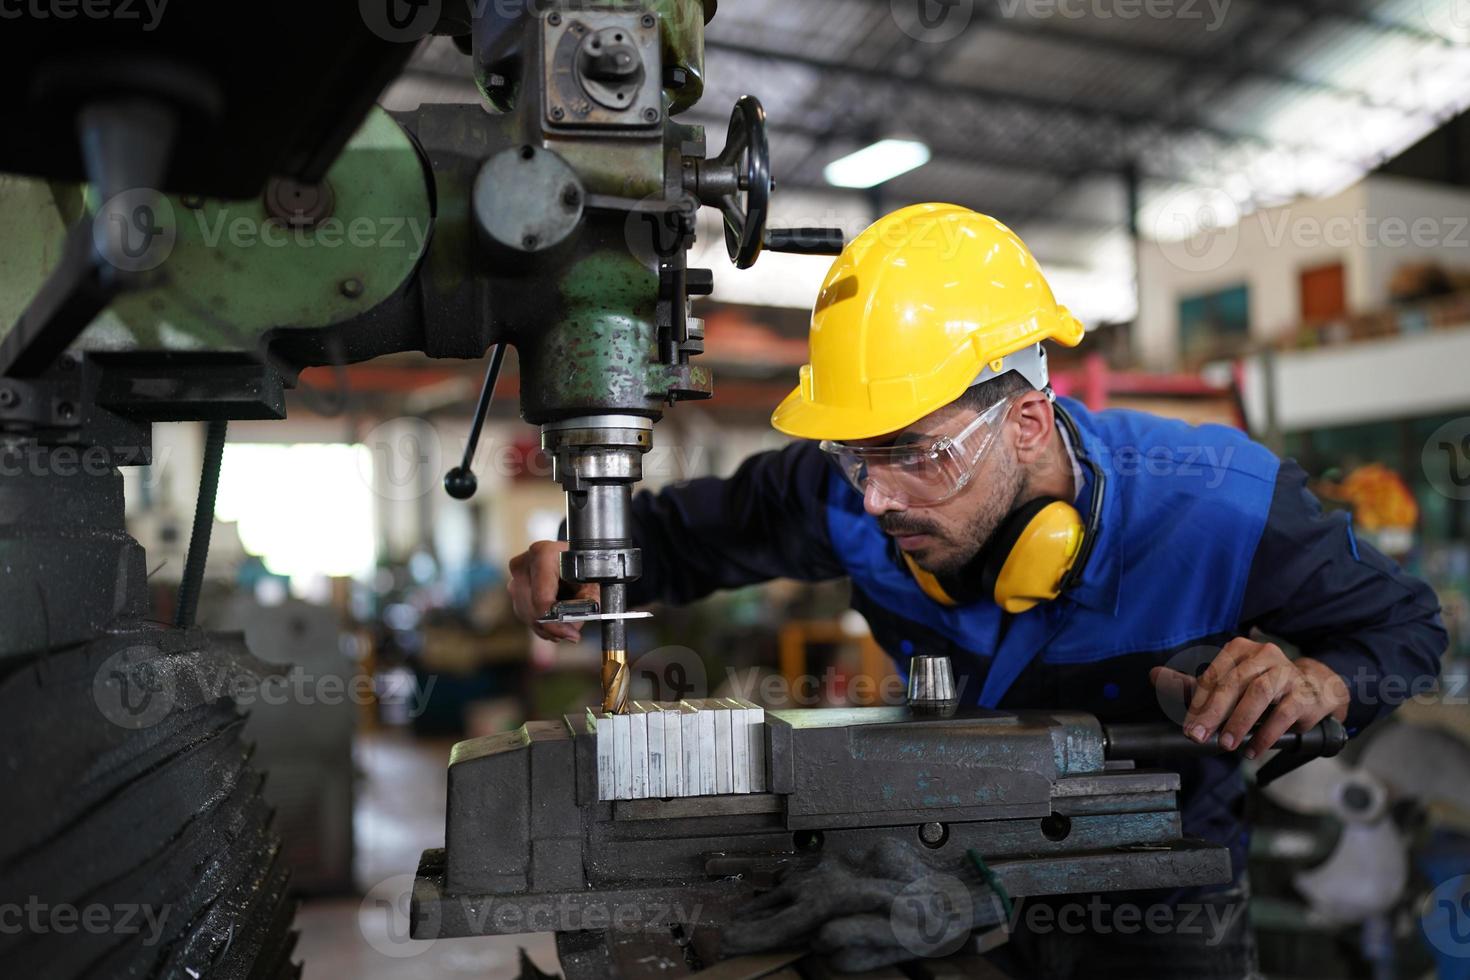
[[667, 749]]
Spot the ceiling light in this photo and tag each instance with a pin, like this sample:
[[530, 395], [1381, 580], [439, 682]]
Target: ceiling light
[[876, 164]]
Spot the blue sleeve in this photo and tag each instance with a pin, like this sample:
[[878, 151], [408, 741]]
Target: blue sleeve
[[1342, 602], [768, 520]]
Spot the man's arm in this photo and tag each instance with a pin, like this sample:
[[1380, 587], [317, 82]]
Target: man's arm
[[1369, 634], [767, 520]]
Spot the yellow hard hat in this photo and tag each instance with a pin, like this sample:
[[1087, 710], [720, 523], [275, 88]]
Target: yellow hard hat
[[911, 313]]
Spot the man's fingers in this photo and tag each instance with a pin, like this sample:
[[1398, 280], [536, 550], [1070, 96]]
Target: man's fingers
[[1301, 708], [1175, 690], [1223, 691], [1256, 699]]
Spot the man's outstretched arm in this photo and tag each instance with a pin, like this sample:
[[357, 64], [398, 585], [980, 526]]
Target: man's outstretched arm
[[767, 520], [1370, 634]]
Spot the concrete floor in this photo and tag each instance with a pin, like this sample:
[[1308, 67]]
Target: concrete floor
[[400, 812]]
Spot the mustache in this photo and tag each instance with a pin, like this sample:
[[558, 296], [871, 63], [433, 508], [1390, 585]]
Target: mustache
[[901, 524]]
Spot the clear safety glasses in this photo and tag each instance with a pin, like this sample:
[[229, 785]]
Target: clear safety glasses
[[920, 474]]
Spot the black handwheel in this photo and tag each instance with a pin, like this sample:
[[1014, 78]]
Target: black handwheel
[[747, 154]]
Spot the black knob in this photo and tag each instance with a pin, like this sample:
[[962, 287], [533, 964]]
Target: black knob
[[460, 483]]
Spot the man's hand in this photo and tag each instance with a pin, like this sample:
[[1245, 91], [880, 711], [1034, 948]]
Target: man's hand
[[535, 581], [1247, 680]]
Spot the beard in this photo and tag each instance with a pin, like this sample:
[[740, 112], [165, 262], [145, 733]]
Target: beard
[[958, 542]]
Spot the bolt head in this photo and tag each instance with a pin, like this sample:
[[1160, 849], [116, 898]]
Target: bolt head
[[351, 288], [651, 114], [553, 18]]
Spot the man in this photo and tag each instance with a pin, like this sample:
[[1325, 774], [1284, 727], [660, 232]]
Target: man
[[1061, 558]]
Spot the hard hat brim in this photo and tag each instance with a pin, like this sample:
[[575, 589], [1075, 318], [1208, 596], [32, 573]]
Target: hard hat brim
[[801, 419]]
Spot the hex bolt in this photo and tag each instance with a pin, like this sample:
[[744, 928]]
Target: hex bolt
[[351, 288], [8, 398], [553, 18], [933, 834], [557, 112], [530, 242], [570, 196], [648, 21], [65, 410], [650, 114]]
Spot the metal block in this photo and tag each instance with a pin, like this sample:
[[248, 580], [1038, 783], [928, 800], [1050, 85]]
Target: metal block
[[656, 764], [622, 736], [739, 746], [673, 751], [606, 771], [638, 727], [689, 736], [724, 754], [756, 725], [708, 777]]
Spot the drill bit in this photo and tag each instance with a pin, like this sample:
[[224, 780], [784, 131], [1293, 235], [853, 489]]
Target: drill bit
[[615, 681], [614, 651]]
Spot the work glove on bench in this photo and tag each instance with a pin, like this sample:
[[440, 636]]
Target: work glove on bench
[[882, 907]]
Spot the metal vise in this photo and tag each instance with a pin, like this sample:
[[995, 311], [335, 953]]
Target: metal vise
[[530, 830]]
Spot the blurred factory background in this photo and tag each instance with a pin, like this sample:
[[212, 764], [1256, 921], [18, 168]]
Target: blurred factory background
[[1258, 207]]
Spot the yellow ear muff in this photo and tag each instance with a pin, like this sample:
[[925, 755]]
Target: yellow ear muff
[[1029, 555]]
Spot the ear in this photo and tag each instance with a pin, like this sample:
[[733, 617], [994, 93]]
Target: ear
[[1035, 423]]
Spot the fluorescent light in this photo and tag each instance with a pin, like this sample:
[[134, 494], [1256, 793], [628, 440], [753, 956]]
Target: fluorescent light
[[873, 165]]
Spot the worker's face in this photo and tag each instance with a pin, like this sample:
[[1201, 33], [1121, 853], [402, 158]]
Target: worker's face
[[942, 538]]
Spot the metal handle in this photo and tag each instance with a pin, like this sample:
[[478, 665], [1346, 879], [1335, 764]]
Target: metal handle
[[1153, 741], [805, 241]]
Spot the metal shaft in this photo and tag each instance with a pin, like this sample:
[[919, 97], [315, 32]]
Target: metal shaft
[[614, 650]]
